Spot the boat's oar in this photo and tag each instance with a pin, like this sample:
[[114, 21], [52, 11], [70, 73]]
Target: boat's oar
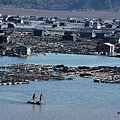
[[44, 100]]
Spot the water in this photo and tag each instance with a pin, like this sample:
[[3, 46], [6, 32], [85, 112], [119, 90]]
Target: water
[[81, 99], [66, 59]]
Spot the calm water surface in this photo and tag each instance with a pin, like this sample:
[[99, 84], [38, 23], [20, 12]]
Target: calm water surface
[[66, 59], [81, 99]]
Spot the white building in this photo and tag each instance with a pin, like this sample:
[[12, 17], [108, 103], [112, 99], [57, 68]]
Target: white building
[[106, 48]]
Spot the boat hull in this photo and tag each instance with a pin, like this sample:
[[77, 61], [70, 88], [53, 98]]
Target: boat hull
[[36, 103]]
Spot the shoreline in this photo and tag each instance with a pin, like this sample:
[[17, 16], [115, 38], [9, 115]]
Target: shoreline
[[52, 13]]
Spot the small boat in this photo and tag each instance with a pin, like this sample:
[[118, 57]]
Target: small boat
[[37, 102], [118, 112]]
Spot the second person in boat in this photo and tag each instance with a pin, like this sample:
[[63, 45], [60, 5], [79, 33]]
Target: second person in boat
[[41, 97]]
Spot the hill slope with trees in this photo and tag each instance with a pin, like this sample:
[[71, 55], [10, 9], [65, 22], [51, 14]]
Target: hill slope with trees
[[65, 4]]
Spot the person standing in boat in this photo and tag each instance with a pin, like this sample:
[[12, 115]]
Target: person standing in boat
[[41, 97], [34, 97]]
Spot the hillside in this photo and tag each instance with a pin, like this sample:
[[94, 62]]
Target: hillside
[[65, 4]]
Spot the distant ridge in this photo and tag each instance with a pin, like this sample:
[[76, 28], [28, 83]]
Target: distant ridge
[[65, 4]]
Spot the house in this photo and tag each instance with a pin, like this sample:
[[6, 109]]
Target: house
[[99, 35], [95, 25], [70, 37], [2, 32], [117, 31], [62, 24], [54, 25], [110, 25], [105, 48], [5, 17], [73, 20], [112, 39], [1, 22], [51, 20], [15, 19], [20, 21], [38, 32], [11, 25], [22, 50], [32, 18], [88, 23], [4, 39], [2, 47], [41, 18], [68, 32], [85, 34]]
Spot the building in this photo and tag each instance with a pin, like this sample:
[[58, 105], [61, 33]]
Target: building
[[11, 25], [4, 39], [117, 31], [112, 39], [105, 48], [73, 20], [100, 35], [2, 32], [1, 22], [22, 50], [85, 34], [63, 24], [2, 47], [15, 19], [70, 37], [38, 32]]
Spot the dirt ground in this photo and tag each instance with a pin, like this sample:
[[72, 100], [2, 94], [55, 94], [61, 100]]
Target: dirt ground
[[107, 15]]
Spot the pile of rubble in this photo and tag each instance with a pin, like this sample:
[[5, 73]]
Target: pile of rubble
[[23, 73]]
